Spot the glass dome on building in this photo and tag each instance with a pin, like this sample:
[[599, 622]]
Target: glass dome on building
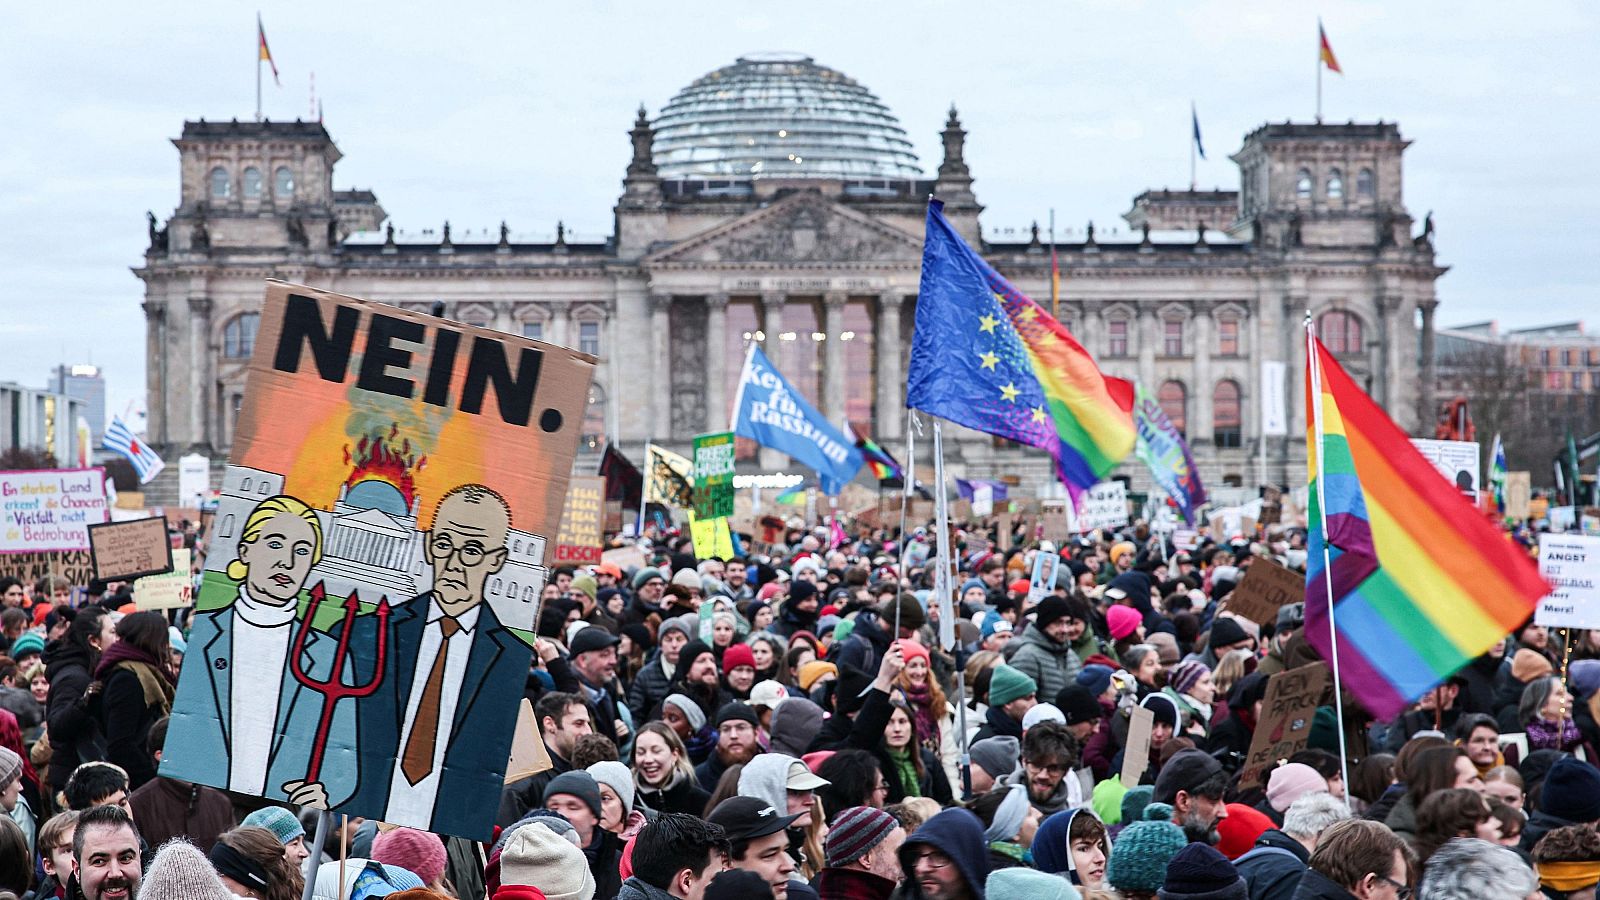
[[780, 116]]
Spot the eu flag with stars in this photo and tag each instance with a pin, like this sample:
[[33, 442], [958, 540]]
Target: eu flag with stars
[[986, 356]]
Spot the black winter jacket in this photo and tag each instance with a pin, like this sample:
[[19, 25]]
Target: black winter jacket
[[74, 731], [1270, 874]]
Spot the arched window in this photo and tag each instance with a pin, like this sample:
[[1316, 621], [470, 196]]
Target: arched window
[[1174, 400], [221, 185], [594, 419], [1340, 331], [252, 183], [239, 336], [1302, 184], [1335, 185], [283, 183], [1226, 422], [1366, 185]]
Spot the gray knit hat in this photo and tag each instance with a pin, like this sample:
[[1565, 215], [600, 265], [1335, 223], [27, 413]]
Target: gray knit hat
[[10, 767], [181, 872], [998, 755], [690, 709]]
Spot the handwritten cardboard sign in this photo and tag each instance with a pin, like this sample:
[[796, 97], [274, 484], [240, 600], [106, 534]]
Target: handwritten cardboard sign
[[76, 566], [126, 550], [1266, 587], [578, 540], [171, 590], [50, 509], [1285, 722], [1136, 752]]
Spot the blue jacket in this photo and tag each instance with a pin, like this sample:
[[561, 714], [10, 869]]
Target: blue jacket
[[199, 733], [1273, 869], [485, 719], [956, 833]]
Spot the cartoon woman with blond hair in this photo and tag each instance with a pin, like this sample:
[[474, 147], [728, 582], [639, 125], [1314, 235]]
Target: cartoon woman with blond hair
[[224, 736]]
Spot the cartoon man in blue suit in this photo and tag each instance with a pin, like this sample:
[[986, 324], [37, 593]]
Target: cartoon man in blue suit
[[436, 736], [241, 720]]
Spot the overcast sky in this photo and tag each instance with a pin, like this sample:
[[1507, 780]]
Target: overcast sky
[[479, 112]]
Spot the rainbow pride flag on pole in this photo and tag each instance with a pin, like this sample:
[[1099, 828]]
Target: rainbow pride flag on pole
[[1419, 581], [986, 356]]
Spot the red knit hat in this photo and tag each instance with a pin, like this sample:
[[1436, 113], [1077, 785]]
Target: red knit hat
[[1240, 829], [1020, 586], [911, 649], [519, 892], [737, 655], [415, 851]]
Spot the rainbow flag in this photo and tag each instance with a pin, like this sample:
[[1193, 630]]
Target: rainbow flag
[[884, 467], [986, 356], [1421, 582]]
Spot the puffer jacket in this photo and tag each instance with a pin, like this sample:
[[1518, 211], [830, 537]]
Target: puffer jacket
[[1051, 665]]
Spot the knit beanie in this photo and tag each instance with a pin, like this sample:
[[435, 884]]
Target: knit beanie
[[1240, 829], [1106, 801], [737, 655], [520, 892], [1199, 872], [1290, 782], [10, 767], [1117, 551], [1226, 630], [1021, 883], [1008, 684], [910, 650], [997, 755], [1049, 610], [363, 878], [1184, 675], [686, 578], [1526, 665], [419, 851], [1583, 675], [811, 671], [1166, 646], [181, 872], [1078, 704], [1140, 855], [687, 625], [1571, 791], [737, 884], [30, 642], [536, 855], [1122, 621], [690, 709], [735, 711], [854, 832], [616, 776], [1095, 677], [277, 820], [911, 614], [1134, 802], [586, 585], [578, 784], [644, 575]]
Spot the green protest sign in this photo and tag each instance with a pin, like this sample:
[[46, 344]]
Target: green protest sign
[[713, 475]]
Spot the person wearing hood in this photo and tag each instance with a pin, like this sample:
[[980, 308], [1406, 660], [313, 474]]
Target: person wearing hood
[[1049, 756], [1137, 586], [653, 682], [1570, 796], [1009, 825], [1044, 651], [946, 858], [1273, 867], [786, 785], [1073, 846], [794, 724]]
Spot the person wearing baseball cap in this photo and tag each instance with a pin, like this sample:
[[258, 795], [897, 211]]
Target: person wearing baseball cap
[[759, 840], [593, 657], [1193, 783], [862, 855]]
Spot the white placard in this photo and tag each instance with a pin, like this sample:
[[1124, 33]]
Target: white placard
[[982, 499], [1457, 461], [1274, 412], [1103, 506], [1043, 581], [1571, 563], [194, 480]]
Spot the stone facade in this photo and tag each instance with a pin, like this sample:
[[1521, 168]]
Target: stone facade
[[825, 272]]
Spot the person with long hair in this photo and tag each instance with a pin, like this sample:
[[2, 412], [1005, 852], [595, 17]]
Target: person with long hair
[[854, 778], [662, 770], [931, 712], [913, 769], [1545, 712], [137, 688], [1453, 813], [252, 864], [767, 651], [1369, 778], [70, 660], [1428, 772]]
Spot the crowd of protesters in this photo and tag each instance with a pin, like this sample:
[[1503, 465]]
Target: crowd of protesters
[[790, 725]]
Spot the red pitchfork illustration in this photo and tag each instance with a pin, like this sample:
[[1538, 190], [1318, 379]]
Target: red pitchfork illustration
[[334, 689]]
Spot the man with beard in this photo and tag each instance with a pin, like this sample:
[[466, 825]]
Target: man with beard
[[1192, 783], [593, 651], [735, 577], [563, 718], [736, 743], [648, 586], [1049, 754], [105, 856], [699, 677]]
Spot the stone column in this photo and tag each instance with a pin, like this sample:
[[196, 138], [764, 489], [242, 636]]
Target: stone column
[[1147, 338], [717, 412], [200, 361], [1425, 401], [833, 355], [891, 379], [1380, 349], [503, 320], [1092, 328], [1199, 411], [560, 324], [660, 368], [1294, 307], [155, 361], [772, 326]]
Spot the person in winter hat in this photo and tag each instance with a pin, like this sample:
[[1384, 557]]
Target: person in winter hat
[[1021, 883], [1289, 783], [1570, 796], [538, 856], [946, 858], [418, 851], [1044, 651], [992, 759], [1199, 872], [862, 854], [738, 884], [362, 879], [1140, 855], [1273, 868], [181, 872], [1011, 695]]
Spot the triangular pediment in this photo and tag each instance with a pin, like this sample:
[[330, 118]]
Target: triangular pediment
[[801, 228]]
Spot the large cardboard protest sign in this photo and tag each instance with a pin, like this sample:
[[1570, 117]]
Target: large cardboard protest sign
[[170, 590], [131, 549], [1284, 726], [1266, 588], [76, 566], [1103, 506], [713, 475], [1571, 563], [579, 540], [363, 630], [1136, 751], [50, 509]]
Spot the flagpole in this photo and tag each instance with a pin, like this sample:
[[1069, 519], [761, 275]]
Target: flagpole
[[1193, 119], [1314, 369], [1055, 277], [644, 488], [258, 66], [910, 478], [1319, 70], [942, 594]]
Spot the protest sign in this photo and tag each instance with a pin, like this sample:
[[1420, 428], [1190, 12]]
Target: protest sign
[[171, 590], [1266, 587], [1519, 492], [1186, 539], [1457, 461], [1042, 583], [713, 475], [76, 566], [194, 479], [668, 478], [1285, 722], [578, 540], [123, 551], [50, 509], [711, 537], [625, 558], [528, 755], [1571, 563], [394, 480], [1053, 521], [1103, 506], [982, 499], [1136, 751]]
